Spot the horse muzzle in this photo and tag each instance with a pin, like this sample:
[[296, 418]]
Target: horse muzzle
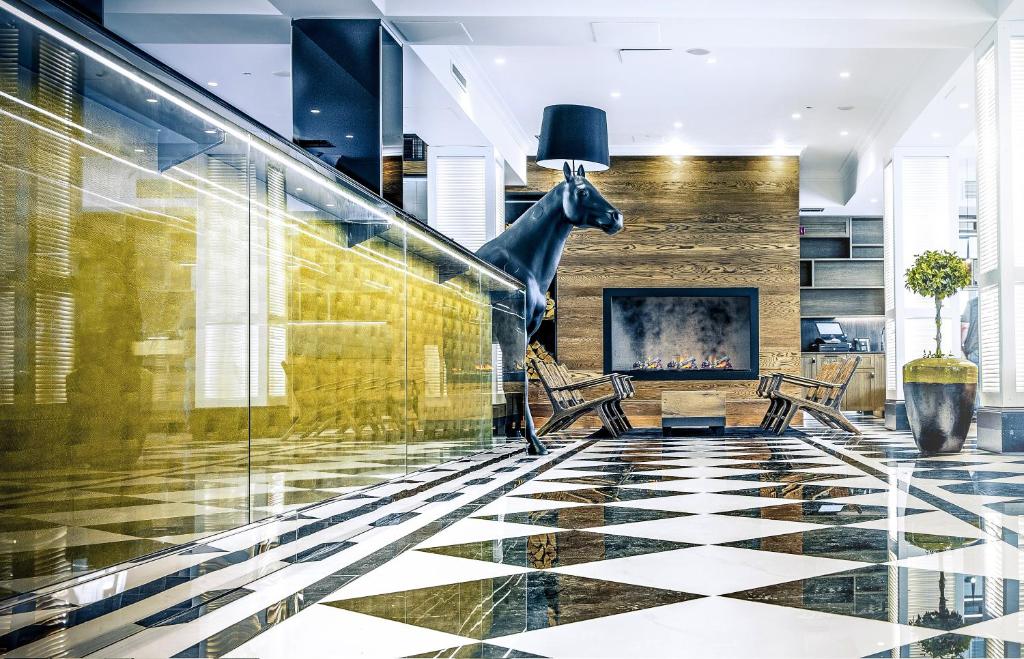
[[613, 223]]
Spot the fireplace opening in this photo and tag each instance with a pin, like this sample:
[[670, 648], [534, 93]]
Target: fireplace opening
[[681, 333]]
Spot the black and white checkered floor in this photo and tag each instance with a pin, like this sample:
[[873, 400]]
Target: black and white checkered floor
[[814, 544]]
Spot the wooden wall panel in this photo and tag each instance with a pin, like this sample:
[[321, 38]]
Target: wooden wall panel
[[695, 221]]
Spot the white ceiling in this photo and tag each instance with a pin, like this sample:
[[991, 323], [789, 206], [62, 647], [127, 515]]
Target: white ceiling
[[743, 102], [772, 59]]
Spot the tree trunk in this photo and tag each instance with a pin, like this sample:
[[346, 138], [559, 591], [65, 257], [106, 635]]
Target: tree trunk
[[938, 326]]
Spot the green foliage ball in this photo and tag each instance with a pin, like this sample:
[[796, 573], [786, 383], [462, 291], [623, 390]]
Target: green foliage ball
[[938, 274]]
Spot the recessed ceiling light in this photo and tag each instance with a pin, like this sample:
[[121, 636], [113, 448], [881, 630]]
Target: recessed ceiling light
[[210, 131], [844, 108], [212, 83], [499, 60], [874, 200], [330, 205], [711, 60], [298, 189], [796, 115], [700, 52], [315, 111], [152, 100], [936, 135], [616, 94], [678, 124], [844, 74], [844, 133], [349, 136], [140, 150], [964, 105], [247, 73]]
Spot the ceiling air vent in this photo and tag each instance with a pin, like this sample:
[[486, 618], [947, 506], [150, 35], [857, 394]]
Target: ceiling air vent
[[812, 210], [459, 78]]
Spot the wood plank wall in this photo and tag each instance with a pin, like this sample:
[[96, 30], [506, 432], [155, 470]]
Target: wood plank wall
[[694, 221]]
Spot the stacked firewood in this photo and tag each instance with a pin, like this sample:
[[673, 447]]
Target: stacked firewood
[[536, 351]]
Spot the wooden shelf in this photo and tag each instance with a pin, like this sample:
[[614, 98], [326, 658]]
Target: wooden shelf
[[841, 270]]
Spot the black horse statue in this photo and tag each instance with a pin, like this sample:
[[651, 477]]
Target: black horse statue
[[530, 251]]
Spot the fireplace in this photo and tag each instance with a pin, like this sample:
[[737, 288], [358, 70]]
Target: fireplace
[[681, 333]]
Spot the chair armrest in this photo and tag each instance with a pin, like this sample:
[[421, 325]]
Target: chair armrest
[[600, 379], [581, 385], [805, 382]]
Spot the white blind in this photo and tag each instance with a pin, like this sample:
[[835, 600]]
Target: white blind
[[888, 240], [462, 199], [988, 162], [890, 354], [1018, 334], [499, 197], [1017, 144], [497, 375], [54, 346], [925, 202], [222, 287], [988, 314], [224, 364], [277, 282], [7, 347], [433, 372]]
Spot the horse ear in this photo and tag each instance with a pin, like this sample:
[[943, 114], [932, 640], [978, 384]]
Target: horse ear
[[567, 171], [580, 172]]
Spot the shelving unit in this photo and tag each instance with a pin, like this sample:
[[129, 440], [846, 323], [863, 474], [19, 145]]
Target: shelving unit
[[841, 267], [841, 276]]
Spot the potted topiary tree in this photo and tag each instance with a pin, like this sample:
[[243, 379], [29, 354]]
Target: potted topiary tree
[[939, 388]]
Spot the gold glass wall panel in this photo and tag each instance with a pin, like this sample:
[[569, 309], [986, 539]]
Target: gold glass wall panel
[[199, 329]]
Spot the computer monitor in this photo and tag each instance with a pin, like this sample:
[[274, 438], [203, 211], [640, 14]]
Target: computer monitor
[[829, 329]]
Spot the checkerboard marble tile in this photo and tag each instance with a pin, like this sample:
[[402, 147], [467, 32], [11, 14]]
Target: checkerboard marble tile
[[814, 544]]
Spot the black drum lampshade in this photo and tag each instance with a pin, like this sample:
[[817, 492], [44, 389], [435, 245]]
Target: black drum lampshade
[[577, 134]]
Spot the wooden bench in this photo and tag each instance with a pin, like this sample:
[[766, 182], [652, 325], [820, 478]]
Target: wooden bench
[[821, 398], [572, 398]]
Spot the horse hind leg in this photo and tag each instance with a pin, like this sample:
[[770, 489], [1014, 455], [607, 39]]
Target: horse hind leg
[[512, 343]]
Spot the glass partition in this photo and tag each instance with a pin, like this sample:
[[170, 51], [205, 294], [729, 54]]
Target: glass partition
[[200, 327]]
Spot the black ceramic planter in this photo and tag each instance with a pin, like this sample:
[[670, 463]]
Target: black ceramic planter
[[940, 402]]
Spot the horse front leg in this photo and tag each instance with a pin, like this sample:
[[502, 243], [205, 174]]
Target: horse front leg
[[536, 302]]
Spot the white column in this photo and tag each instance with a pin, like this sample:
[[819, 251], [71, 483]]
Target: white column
[[999, 84], [920, 213]]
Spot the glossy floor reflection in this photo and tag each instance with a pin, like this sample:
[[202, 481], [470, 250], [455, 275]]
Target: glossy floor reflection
[[60, 523], [813, 544]]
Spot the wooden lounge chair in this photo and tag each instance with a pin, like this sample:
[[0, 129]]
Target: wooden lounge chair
[[821, 398], [573, 398], [623, 385], [773, 381]]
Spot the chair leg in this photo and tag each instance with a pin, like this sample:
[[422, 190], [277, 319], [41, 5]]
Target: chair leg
[[616, 409], [787, 419], [622, 413], [607, 422], [770, 414], [845, 424], [552, 425], [778, 417], [615, 417]]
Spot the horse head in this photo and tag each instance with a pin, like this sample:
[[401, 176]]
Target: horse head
[[584, 206]]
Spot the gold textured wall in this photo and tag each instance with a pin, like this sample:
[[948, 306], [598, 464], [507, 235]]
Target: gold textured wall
[[196, 332]]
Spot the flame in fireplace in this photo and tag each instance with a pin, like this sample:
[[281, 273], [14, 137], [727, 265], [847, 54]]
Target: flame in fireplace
[[681, 363]]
